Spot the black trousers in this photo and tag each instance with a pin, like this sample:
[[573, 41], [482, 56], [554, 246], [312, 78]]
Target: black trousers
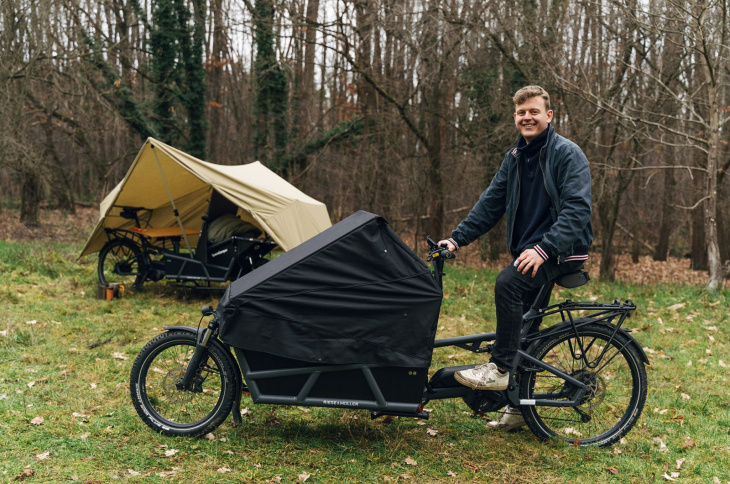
[[514, 293]]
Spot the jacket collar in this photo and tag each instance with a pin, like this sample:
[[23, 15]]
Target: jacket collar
[[520, 143]]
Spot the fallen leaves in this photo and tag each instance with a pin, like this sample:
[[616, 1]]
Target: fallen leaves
[[171, 452], [119, 356], [678, 419], [37, 421], [612, 470], [224, 469], [674, 307], [304, 476], [673, 477], [43, 456], [432, 432], [662, 445], [688, 443], [27, 472], [410, 461]]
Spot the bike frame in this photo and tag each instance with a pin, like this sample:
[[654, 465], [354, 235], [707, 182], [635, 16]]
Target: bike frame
[[304, 376]]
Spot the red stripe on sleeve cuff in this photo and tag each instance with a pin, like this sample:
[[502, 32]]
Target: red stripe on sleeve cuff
[[542, 253]]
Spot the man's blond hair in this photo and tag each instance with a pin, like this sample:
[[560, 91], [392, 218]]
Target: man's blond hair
[[528, 92]]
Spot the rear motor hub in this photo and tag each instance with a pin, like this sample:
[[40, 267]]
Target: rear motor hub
[[596, 391]]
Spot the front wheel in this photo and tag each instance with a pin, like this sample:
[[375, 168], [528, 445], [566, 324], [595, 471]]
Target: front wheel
[[169, 410], [121, 260], [612, 370]]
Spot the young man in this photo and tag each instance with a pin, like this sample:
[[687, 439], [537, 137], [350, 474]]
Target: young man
[[544, 187]]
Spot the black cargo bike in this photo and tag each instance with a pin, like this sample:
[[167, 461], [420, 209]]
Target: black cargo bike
[[141, 253], [348, 319]]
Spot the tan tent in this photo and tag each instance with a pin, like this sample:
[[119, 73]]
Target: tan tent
[[163, 180]]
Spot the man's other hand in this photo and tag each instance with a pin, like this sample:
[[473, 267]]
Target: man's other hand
[[527, 260]]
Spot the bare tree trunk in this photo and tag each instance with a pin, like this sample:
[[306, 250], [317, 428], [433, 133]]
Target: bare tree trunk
[[668, 222], [698, 254], [216, 60], [432, 106], [710, 207], [31, 196], [636, 241], [307, 85]]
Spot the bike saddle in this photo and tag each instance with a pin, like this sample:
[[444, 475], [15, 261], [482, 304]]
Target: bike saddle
[[573, 279]]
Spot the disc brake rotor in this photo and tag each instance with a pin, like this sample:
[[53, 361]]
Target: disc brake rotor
[[596, 391], [170, 389]]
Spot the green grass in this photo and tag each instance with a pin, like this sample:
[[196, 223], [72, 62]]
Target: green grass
[[65, 357]]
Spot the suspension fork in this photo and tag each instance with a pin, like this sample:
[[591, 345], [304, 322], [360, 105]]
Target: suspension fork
[[200, 355]]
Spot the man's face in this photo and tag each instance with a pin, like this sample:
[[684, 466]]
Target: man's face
[[531, 117]]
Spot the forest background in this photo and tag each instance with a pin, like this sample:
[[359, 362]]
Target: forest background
[[399, 107]]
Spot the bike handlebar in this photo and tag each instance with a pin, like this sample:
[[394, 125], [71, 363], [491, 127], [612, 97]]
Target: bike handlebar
[[435, 251]]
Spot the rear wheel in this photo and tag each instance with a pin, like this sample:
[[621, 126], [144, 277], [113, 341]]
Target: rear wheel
[[613, 372], [122, 261], [169, 410]]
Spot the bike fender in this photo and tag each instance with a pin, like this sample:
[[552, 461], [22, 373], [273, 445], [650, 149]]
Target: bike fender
[[189, 329], [566, 324]]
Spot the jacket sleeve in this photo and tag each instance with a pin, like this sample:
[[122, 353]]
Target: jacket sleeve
[[486, 212], [573, 179]]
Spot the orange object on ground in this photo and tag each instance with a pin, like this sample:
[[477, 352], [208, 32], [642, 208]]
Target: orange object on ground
[[164, 232]]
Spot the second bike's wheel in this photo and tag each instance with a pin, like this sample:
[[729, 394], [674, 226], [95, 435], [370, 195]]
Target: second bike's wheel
[[169, 410], [122, 261], [614, 373]]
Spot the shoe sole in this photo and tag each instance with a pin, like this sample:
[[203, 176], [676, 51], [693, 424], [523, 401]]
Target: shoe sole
[[507, 428], [466, 383]]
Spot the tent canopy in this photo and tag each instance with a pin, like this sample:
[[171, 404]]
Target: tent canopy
[[355, 293], [161, 175]]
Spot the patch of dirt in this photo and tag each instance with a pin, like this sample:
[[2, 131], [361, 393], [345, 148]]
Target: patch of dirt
[[55, 226]]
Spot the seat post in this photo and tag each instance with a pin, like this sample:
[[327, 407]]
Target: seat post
[[539, 301]]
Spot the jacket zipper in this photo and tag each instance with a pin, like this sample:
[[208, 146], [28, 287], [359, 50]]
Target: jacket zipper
[[544, 182], [519, 190]]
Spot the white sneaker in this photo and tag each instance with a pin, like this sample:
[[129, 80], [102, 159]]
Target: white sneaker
[[483, 377], [510, 418]]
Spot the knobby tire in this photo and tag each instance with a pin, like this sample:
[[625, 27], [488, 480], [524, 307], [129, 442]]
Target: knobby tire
[[165, 408], [129, 255]]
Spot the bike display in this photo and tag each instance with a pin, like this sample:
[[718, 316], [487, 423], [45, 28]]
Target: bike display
[[302, 336]]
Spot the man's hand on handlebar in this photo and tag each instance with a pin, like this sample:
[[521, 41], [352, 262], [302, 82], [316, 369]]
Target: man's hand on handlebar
[[448, 244]]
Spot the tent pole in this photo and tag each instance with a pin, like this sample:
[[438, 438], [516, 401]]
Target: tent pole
[[174, 208]]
